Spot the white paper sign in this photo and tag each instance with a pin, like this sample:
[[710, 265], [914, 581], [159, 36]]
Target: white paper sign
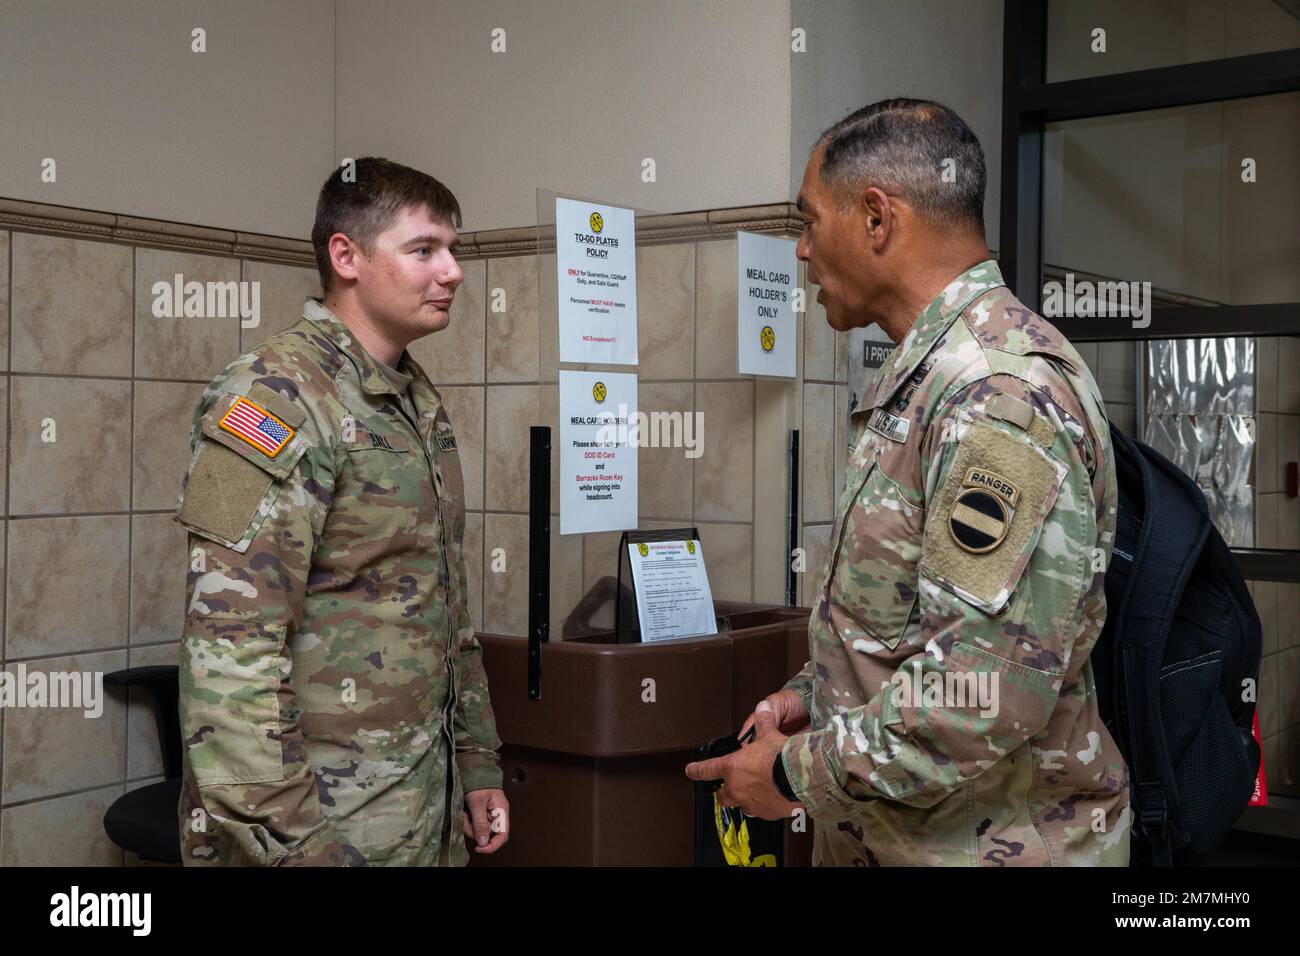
[[767, 274], [672, 590], [598, 460], [595, 267]]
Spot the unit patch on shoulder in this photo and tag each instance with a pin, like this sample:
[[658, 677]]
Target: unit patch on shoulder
[[251, 423], [978, 521]]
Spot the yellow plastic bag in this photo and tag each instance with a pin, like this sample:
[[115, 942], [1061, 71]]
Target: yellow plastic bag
[[733, 834]]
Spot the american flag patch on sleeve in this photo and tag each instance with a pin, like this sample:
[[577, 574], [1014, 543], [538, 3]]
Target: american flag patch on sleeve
[[250, 422]]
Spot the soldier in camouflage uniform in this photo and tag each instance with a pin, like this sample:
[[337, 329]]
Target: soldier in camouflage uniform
[[333, 704], [967, 555]]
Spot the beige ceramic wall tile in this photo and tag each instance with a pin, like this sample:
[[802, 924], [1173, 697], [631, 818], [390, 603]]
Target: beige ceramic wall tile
[[65, 831], [1266, 370], [600, 557], [164, 412], [473, 551], [512, 335], [282, 291], [143, 758], [548, 323], [465, 408], [724, 473], [1265, 595], [511, 410], [818, 339], [91, 750], [715, 310], [817, 443], [1267, 703], [71, 306], [665, 291], [548, 413], [1288, 375], [566, 578], [1088, 352], [1267, 470], [729, 559], [816, 545], [1115, 378], [1266, 521], [841, 441], [67, 585], [665, 473], [87, 466], [4, 443], [188, 347], [505, 592], [1288, 521], [1122, 416], [1288, 615], [775, 411], [1288, 684], [4, 300], [1288, 446], [159, 561], [454, 356]]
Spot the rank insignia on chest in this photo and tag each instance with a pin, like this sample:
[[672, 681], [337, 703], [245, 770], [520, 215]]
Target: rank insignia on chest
[[251, 423], [891, 426], [447, 442]]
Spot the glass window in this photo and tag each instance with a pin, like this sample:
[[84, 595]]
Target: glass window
[[1200, 202], [1145, 36]]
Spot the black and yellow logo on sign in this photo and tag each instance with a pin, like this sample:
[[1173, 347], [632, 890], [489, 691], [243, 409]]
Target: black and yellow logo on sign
[[643, 549], [979, 520], [597, 222], [690, 546], [767, 338], [598, 392]]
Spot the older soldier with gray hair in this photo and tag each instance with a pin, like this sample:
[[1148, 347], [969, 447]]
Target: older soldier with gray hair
[[333, 703], [947, 715]]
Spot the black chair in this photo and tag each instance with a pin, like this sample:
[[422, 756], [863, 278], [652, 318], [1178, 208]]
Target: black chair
[[144, 820]]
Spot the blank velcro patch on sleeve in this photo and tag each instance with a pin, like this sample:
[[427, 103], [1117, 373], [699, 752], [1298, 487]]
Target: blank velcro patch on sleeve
[[223, 493], [985, 524]]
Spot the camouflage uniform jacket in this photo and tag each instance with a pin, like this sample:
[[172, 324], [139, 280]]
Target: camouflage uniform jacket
[[329, 668], [968, 554]]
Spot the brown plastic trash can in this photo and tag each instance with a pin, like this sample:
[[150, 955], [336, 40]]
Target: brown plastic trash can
[[594, 771]]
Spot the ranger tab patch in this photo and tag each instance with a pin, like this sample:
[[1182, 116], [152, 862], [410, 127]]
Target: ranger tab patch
[[983, 478], [252, 423]]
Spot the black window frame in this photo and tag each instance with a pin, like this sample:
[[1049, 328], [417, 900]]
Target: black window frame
[[1029, 103]]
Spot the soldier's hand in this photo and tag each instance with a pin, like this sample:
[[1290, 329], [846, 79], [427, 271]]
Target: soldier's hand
[[791, 714], [486, 819], [747, 773]]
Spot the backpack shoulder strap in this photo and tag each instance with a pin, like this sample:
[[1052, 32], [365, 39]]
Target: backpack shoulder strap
[[1175, 527]]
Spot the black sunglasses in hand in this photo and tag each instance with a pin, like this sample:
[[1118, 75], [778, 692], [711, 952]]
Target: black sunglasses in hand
[[720, 747]]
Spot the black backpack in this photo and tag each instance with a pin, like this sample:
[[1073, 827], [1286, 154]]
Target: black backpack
[[1180, 642]]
